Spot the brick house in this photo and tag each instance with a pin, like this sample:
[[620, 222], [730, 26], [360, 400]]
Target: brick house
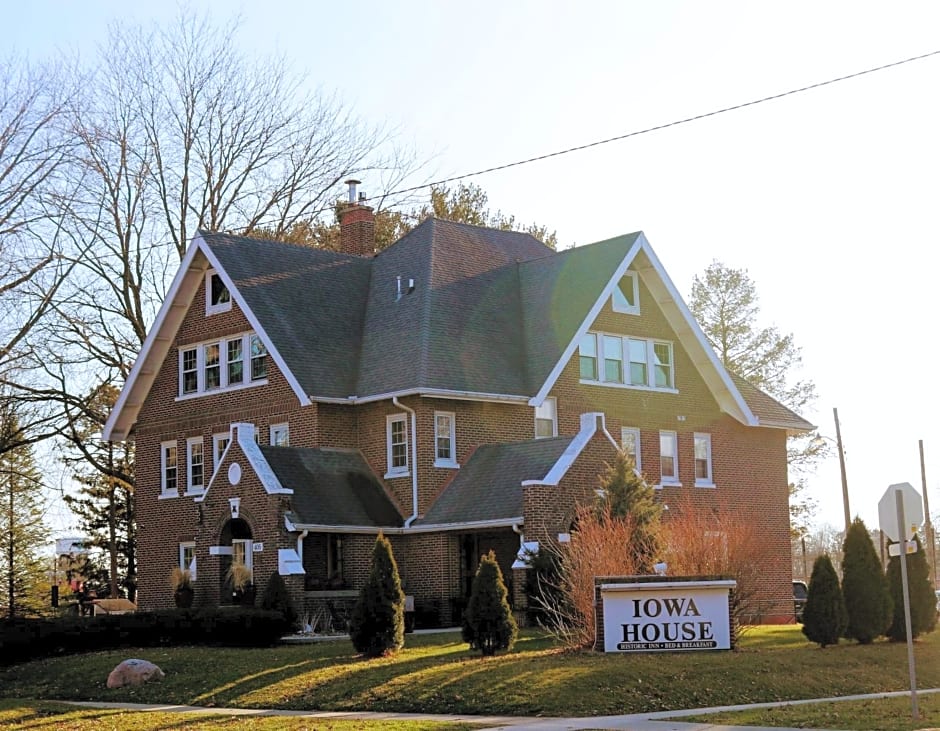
[[459, 391]]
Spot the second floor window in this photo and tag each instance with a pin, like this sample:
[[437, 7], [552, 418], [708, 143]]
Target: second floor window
[[397, 444], [546, 419], [195, 463], [445, 454], [280, 435], [220, 364], [668, 457], [168, 482], [630, 441], [703, 460]]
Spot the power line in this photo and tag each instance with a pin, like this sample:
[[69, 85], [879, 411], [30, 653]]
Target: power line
[[658, 127]]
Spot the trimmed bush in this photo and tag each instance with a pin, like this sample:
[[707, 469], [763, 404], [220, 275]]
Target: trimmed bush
[[488, 624], [824, 617], [377, 626], [923, 599], [864, 587], [277, 599]]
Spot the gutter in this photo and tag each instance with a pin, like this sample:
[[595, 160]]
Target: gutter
[[403, 531], [414, 462], [424, 393]]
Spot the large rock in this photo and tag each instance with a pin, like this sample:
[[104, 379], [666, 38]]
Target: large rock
[[134, 672]]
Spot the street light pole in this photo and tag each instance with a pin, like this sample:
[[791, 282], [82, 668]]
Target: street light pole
[[845, 483]]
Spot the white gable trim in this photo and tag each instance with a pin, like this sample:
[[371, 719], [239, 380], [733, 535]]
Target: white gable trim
[[244, 434], [680, 319], [179, 299], [589, 427]]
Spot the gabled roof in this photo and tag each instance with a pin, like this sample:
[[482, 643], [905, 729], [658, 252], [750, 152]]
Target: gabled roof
[[331, 487], [481, 313], [488, 487], [768, 410]]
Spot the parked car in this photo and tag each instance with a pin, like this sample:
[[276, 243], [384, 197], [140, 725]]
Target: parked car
[[800, 592]]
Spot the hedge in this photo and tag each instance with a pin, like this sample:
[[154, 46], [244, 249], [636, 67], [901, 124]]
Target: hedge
[[27, 639]]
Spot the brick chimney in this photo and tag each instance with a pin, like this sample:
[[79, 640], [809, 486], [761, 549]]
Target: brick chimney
[[356, 225]]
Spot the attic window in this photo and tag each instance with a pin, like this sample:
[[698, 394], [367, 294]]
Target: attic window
[[218, 298], [626, 297]]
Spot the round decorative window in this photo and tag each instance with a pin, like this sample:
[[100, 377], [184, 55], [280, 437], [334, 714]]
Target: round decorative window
[[234, 473]]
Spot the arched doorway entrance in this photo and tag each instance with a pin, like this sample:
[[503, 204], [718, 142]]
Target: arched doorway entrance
[[236, 570]]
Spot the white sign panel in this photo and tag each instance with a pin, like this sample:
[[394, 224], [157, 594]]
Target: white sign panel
[[667, 616], [888, 511]]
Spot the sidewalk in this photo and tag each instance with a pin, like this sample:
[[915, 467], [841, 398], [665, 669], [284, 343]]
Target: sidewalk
[[658, 721]]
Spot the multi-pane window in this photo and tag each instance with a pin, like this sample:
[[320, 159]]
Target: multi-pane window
[[219, 445], [280, 435], [168, 482], [588, 357], [221, 364], [190, 370], [195, 463], [188, 558], [445, 453], [613, 359], [212, 369], [259, 359], [546, 418], [626, 296], [397, 443], [703, 460], [631, 361], [668, 457], [630, 441], [218, 298], [236, 360]]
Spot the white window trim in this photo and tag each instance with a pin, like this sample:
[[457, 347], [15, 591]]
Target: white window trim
[[164, 491], [624, 430], [212, 309], [707, 438], [452, 462], [625, 363], [224, 385], [192, 566], [671, 481], [216, 451], [190, 488], [554, 420], [274, 428], [404, 471], [628, 310]]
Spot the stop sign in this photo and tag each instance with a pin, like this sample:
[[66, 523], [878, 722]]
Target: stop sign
[[888, 511]]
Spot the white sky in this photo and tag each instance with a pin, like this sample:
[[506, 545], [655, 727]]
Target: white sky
[[827, 198]]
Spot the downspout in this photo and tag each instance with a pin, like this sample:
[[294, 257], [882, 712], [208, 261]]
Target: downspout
[[414, 462], [300, 546]]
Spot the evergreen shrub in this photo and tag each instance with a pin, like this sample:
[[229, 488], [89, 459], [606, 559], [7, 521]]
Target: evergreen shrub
[[377, 626], [824, 617], [488, 624], [864, 586], [277, 599], [923, 599]]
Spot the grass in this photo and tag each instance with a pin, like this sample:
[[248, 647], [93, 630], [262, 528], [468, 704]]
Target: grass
[[16, 715], [437, 674]]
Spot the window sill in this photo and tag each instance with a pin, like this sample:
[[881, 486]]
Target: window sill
[[227, 389], [447, 465], [393, 475], [167, 495], [627, 386], [218, 309], [661, 485], [705, 484], [625, 310]]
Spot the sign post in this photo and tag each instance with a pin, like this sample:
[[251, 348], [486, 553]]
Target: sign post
[[900, 512]]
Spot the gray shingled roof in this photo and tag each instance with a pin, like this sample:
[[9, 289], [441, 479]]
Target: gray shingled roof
[[489, 485], [767, 409], [332, 487]]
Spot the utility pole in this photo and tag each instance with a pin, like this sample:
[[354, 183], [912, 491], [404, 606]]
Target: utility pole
[[929, 533], [845, 483]]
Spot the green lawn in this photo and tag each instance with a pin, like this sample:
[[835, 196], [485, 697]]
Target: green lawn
[[437, 674]]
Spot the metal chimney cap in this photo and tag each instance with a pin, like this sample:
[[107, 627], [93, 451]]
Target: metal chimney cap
[[352, 183]]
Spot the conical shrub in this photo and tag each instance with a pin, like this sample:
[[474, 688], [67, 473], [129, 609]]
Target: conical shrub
[[277, 598], [824, 617], [377, 626], [864, 586], [923, 599], [488, 623]]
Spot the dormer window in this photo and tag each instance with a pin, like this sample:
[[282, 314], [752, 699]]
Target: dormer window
[[626, 297], [218, 298]]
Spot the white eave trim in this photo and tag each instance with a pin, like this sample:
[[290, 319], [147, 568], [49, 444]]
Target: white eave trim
[[589, 427], [178, 301], [680, 319], [425, 393]]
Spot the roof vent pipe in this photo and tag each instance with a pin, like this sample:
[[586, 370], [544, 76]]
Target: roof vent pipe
[[353, 196]]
